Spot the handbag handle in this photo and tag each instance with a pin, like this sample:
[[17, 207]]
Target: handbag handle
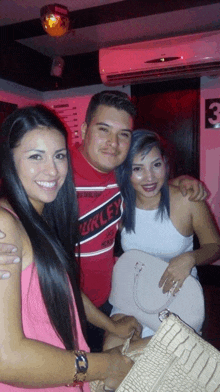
[[138, 269]]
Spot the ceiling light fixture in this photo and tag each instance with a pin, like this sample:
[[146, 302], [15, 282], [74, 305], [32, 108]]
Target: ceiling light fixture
[[55, 19]]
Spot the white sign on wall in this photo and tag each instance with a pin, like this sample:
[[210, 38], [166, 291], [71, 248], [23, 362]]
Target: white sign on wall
[[212, 113]]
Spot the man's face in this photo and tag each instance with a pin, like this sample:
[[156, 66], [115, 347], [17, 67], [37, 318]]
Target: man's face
[[107, 138]]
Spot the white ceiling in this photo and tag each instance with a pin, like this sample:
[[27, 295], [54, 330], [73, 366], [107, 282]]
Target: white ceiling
[[89, 39]]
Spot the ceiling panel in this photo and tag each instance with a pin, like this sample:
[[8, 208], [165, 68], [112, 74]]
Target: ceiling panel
[[24, 45]]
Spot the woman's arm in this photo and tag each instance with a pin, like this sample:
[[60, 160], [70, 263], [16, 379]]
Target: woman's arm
[[122, 328], [30, 363], [207, 232]]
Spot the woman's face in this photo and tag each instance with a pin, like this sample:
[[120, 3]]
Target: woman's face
[[41, 163], [148, 174]]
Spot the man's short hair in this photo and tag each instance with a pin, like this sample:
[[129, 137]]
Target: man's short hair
[[116, 99]]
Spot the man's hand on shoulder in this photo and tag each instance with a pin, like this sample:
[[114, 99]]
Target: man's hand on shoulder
[[191, 187], [7, 256]]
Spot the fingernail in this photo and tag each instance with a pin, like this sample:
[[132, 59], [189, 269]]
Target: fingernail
[[2, 235], [6, 275], [14, 250], [17, 260]]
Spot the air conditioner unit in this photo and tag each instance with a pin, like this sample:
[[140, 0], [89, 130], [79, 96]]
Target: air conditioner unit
[[156, 60]]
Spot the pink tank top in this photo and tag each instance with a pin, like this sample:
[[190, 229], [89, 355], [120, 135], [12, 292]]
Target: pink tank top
[[37, 326]]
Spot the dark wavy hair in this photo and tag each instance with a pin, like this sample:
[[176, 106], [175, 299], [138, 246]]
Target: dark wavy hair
[[116, 99], [142, 141], [53, 234]]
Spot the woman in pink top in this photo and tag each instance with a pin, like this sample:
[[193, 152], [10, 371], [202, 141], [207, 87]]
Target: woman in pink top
[[40, 330]]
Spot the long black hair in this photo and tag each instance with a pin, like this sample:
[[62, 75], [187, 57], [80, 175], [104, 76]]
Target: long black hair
[[142, 141], [53, 234]]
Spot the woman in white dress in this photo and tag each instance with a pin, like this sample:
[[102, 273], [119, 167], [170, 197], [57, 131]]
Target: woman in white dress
[[159, 220]]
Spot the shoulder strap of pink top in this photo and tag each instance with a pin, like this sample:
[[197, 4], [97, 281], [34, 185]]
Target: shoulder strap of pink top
[[11, 212]]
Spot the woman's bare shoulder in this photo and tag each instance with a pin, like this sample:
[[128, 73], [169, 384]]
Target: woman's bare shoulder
[[10, 224], [175, 194], [15, 233], [182, 207], [177, 197], [7, 213]]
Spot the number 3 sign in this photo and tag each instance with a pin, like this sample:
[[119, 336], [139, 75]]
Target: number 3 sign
[[212, 113]]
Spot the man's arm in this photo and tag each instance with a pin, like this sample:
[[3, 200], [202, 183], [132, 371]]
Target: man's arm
[[190, 186]]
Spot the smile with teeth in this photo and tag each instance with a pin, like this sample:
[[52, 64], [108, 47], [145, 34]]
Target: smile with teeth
[[150, 187], [47, 184]]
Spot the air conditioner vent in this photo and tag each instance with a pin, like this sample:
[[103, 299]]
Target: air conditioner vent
[[164, 74], [163, 60]]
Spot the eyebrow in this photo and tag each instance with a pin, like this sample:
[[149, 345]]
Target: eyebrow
[[157, 159], [142, 164], [109, 126], [137, 164], [43, 151]]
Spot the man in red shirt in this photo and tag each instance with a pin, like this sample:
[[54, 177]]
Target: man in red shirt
[[106, 133]]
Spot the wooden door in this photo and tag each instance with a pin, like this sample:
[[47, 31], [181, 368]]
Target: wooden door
[[172, 109]]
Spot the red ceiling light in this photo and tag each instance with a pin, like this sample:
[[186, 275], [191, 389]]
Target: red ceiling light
[[55, 19]]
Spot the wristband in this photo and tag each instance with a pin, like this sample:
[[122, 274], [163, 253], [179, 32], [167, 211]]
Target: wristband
[[81, 367]]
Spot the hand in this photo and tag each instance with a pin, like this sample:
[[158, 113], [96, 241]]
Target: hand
[[178, 270], [192, 187], [119, 366], [127, 326], [7, 256]]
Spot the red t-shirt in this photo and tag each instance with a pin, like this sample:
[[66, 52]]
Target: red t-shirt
[[100, 209]]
